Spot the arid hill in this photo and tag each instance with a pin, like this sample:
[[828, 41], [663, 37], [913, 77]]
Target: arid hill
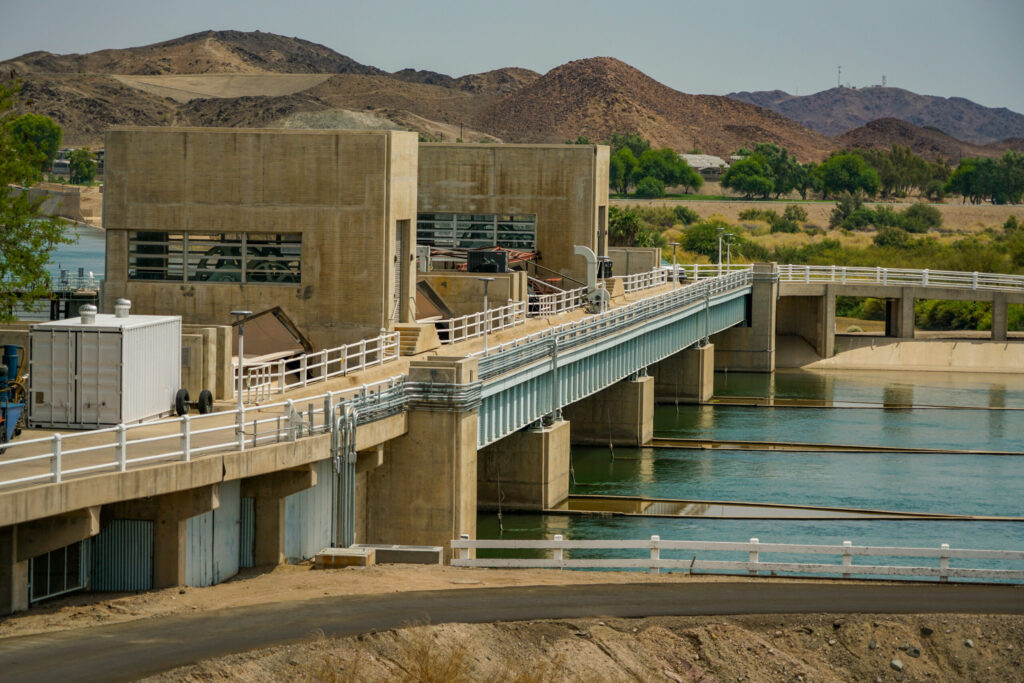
[[930, 143], [597, 97], [838, 110]]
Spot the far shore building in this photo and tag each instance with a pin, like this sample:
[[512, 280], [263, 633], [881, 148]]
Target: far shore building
[[710, 167]]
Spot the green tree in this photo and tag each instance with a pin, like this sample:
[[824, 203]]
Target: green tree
[[749, 176], [783, 170], [847, 172], [650, 187], [807, 180], [83, 166], [627, 229], [622, 168], [26, 238], [37, 134], [668, 167], [634, 141]]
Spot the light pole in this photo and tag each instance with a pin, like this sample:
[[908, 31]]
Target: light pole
[[728, 248], [487, 318], [720, 231], [675, 274], [240, 317]]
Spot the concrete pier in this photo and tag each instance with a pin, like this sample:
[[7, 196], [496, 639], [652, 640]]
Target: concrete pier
[[621, 415], [686, 377], [751, 348], [528, 470]]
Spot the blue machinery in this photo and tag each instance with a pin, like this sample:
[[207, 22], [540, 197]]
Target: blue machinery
[[12, 393]]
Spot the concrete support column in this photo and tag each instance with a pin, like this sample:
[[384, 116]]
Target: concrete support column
[[899, 315], [751, 348], [999, 319], [622, 414], [528, 470], [685, 377], [424, 493], [13, 573], [269, 492], [169, 514], [827, 323]]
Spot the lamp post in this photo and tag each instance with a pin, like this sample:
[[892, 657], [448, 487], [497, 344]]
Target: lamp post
[[675, 274], [720, 231], [240, 317], [728, 248], [487, 318]]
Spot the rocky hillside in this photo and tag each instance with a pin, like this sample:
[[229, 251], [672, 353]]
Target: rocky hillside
[[597, 97], [930, 143], [838, 110]]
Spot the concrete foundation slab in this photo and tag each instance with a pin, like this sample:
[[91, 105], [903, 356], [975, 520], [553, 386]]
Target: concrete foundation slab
[[337, 558], [405, 554]]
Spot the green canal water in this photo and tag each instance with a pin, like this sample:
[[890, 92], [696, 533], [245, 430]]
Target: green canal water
[[939, 483]]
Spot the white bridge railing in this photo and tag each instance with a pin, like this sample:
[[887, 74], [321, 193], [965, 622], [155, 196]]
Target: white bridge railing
[[901, 277], [544, 305], [53, 458], [466, 327], [754, 563], [644, 280], [262, 380]]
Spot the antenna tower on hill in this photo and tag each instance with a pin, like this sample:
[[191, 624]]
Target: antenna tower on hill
[[839, 77], [883, 80]]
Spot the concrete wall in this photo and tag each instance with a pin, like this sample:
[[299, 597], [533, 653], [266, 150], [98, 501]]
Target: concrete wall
[[347, 192], [57, 202], [463, 293], [629, 260], [566, 186]]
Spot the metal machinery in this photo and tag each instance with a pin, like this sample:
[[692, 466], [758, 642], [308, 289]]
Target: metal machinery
[[12, 394]]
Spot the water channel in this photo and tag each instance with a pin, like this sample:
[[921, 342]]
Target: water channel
[[869, 408]]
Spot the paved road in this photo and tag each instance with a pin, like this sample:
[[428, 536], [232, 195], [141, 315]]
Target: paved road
[[133, 649]]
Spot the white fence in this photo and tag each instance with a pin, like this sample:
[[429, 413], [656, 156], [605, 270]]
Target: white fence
[[276, 377], [544, 305], [114, 449], [466, 327], [901, 277], [753, 564], [645, 280]]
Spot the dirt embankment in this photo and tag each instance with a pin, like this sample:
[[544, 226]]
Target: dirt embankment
[[754, 648]]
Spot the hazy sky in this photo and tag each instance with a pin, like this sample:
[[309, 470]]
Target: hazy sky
[[966, 48]]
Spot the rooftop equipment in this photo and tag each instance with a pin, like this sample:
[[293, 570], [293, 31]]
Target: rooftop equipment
[[101, 370]]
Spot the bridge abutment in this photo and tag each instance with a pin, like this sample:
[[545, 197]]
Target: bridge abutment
[[622, 414], [751, 348], [813, 318], [528, 470], [686, 377]]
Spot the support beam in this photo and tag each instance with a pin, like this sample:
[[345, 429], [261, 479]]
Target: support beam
[[269, 492], [899, 315], [621, 415], [999, 316], [43, 535], [425, 491], [13, 573], [686, 377], [528, 470], [751, 348]]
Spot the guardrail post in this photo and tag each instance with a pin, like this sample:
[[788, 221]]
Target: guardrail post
[[121, 448], [655, 553], [292, 420], [753, 557], [974, 280], [302, 369], [463, 552], [924, 277], [847, 557], [885, 276], [557, 554], [280, 377], [878, 273], [186, 438], [240, 428], [844, 275], [944, 563], [362, 354], [55, 461]]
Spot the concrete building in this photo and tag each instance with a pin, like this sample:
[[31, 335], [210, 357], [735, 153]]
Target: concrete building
[[545, 198], [325, 220]]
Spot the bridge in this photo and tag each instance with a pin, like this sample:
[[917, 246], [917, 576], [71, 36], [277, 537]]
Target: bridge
[[403, 449]]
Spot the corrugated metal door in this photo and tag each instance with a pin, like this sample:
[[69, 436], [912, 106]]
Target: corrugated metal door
[[52, 380], [307, 516], [227, 531], [247, 535], [122, 556], [199, 550], [152, 369], [98, 377]]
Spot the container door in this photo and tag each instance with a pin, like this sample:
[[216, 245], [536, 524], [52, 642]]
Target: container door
[[99, 377], [52, 380]]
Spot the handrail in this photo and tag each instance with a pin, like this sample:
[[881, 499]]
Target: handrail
[[262, 380], [644, 280], [454, 330], [901, 277], [753, 565], [543, 305]]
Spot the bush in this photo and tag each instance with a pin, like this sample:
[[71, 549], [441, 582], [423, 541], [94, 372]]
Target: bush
[[650, 188], [937, 314], [935, 190], [888, 236], [921, 218], [685, 215], [846, 205], [795, 213]]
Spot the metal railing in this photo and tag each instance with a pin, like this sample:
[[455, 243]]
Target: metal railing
[[262, 380], [510, 355], [645, 280], [466, 327], [901, 277], [543, 305], [753, 565], [114, 449]]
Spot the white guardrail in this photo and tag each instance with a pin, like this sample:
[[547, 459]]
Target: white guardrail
[[114, 449], [261, 380], [466, 327], [754, 564], [544, 305], [901, 277], [645, 280]]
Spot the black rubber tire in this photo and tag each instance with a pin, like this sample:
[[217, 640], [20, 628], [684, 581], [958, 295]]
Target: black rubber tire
[[181, 402], [205, 402]]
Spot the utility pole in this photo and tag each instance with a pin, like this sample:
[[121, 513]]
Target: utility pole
[[839, 76]]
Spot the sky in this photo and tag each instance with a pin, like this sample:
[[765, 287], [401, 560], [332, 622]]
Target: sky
[[965, 48]]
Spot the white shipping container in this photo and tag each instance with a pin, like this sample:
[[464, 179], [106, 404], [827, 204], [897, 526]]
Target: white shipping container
[[115, 370]]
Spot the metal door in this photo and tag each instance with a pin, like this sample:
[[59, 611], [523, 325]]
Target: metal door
[[98, 377], [52, 380]]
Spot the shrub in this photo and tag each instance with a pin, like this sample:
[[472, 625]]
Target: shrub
[[921, 218], [685, 215], [935, 190], [795, 212], [888, 236], [846, 205], [650, 187]]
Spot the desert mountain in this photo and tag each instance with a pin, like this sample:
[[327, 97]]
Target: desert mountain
[[597, 97], [838, 110], [930, 143]]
